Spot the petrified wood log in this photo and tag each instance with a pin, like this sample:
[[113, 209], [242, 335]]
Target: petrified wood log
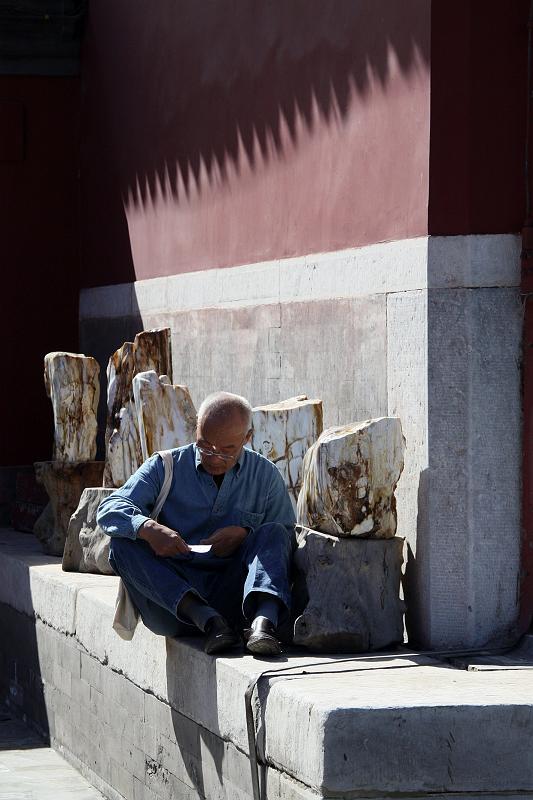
[[64, 481], [349, 478], [72, 384], [166, 415], [349, 590], [87, 546], [151, 350], [124, 454], [283, 432]]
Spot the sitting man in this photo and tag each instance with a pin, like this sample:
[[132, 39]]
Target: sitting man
[[221, 495]]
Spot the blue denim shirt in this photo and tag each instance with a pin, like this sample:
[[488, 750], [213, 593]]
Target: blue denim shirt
[[252, 493]]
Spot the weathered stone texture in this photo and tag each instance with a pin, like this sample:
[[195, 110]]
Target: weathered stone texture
[[351, 592], [283, 432], [87, 546], [349, 478], [166, 416], [151, 350], [124, 454], [72, 384], [64, 481]]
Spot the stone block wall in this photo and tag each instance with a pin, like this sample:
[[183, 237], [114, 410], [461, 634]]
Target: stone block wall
[[427, 329]]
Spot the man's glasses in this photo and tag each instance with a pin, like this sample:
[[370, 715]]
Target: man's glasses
[[206, 451], [210, 451]]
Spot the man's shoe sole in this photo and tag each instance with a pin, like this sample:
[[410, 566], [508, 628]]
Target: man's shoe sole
[[262, 644]]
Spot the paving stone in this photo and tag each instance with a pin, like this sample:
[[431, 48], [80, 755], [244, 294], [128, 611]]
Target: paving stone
[[31, 771]]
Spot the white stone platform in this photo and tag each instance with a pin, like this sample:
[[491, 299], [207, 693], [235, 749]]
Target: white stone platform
[[158, 719]]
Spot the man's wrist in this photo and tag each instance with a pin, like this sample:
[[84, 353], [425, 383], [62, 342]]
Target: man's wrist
[[146, 524]]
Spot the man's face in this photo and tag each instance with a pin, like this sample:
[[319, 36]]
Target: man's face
[[225, 436]]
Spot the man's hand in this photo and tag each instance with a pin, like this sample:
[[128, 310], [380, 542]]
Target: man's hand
[[226, 541], [163, 541]]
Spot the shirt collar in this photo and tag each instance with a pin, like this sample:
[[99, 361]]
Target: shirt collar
[[237, 466]]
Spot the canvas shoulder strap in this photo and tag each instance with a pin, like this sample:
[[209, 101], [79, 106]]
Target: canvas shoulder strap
[[168, 463]]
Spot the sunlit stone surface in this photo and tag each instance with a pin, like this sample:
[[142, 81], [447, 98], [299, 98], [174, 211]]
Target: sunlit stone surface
[[166, 415], [283, 432], [87, 546], [349, 478], [149, 351], [124, 454], [64, 482], [348, 591], [72, 384]]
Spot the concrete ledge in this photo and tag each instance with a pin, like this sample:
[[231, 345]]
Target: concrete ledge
[[158, 718], [437, 262]]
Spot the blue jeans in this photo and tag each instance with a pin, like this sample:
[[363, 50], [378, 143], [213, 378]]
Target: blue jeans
[[156, 585]]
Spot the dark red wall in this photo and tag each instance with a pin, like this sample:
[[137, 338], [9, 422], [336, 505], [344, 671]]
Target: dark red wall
[[221, 133], [39, 228], [478, 116]]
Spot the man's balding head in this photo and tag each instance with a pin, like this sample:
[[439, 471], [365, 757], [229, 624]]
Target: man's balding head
[[223, 406], [224, 426]]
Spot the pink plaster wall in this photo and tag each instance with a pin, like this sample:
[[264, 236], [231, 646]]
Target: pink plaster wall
[[228, 132]]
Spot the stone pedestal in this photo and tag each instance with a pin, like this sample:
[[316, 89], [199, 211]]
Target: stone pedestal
[[349, 478], [348, 591], [166, 415], [283, 432], [87, 546], [64, 482], [151, 350], [72, 384]]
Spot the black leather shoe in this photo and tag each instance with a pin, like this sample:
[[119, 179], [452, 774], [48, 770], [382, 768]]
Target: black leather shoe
[[219, 636], [261, 640]]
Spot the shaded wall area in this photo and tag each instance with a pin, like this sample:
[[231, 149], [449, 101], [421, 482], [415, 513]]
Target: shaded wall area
[[39, 118], [478, 116], [223, 133]]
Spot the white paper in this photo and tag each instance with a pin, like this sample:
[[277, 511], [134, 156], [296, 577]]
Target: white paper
[[200, 548]]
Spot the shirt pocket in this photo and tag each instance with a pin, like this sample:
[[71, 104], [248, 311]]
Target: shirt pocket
[[250, 519]]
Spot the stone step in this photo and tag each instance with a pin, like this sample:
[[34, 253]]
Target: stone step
[[370, 726]]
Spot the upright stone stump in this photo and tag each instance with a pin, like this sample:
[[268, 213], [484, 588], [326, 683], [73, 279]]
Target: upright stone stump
[[283, 432], [73, 385], [64, 481], [166, 416], [151, 350], [349, 478], [123, 451], [349, 593], [87, 546]]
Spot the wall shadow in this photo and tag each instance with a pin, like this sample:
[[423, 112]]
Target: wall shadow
[[417, 570], [195, 741], [21, 681]]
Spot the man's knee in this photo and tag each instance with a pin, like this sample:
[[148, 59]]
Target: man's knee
[[120, 547], [272, 534]]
